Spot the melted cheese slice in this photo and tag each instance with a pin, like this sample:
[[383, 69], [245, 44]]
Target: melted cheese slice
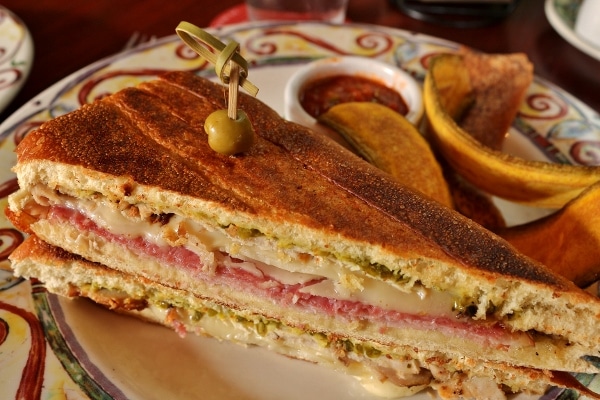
[[380, 294]]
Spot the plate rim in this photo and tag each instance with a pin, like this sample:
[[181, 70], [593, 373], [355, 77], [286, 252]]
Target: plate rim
[[26, 52]]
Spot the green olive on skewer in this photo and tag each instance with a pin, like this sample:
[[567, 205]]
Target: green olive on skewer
[[229, 136]]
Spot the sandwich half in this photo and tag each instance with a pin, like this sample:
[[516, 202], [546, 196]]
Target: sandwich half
[[296, 245]]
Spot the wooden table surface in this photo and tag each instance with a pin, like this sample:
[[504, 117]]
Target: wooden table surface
[[70, 35]]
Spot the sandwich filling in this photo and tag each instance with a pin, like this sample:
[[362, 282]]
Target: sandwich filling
[[402, 372], [229, 257], [308, 289]]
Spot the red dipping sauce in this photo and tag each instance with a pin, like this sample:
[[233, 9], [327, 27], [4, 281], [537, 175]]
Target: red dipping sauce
[[320, 95]]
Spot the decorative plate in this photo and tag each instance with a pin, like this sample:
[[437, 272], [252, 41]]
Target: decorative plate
[[74, 349], [16, 55]]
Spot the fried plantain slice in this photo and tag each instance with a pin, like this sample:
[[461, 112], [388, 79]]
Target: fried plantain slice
[[535, 183], [390, 142], [567, 241]]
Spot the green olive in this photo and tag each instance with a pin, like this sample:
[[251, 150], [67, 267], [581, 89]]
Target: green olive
[[228, 136]]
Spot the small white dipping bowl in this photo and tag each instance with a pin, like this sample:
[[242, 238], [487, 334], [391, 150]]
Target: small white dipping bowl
[[378, 71]]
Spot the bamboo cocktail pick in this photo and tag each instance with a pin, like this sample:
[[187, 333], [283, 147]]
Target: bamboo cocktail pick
[[229, 131]]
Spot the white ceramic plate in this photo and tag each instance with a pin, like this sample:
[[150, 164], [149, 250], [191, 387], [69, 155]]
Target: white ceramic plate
[[84, 351], [16, 55], [562, 15]]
